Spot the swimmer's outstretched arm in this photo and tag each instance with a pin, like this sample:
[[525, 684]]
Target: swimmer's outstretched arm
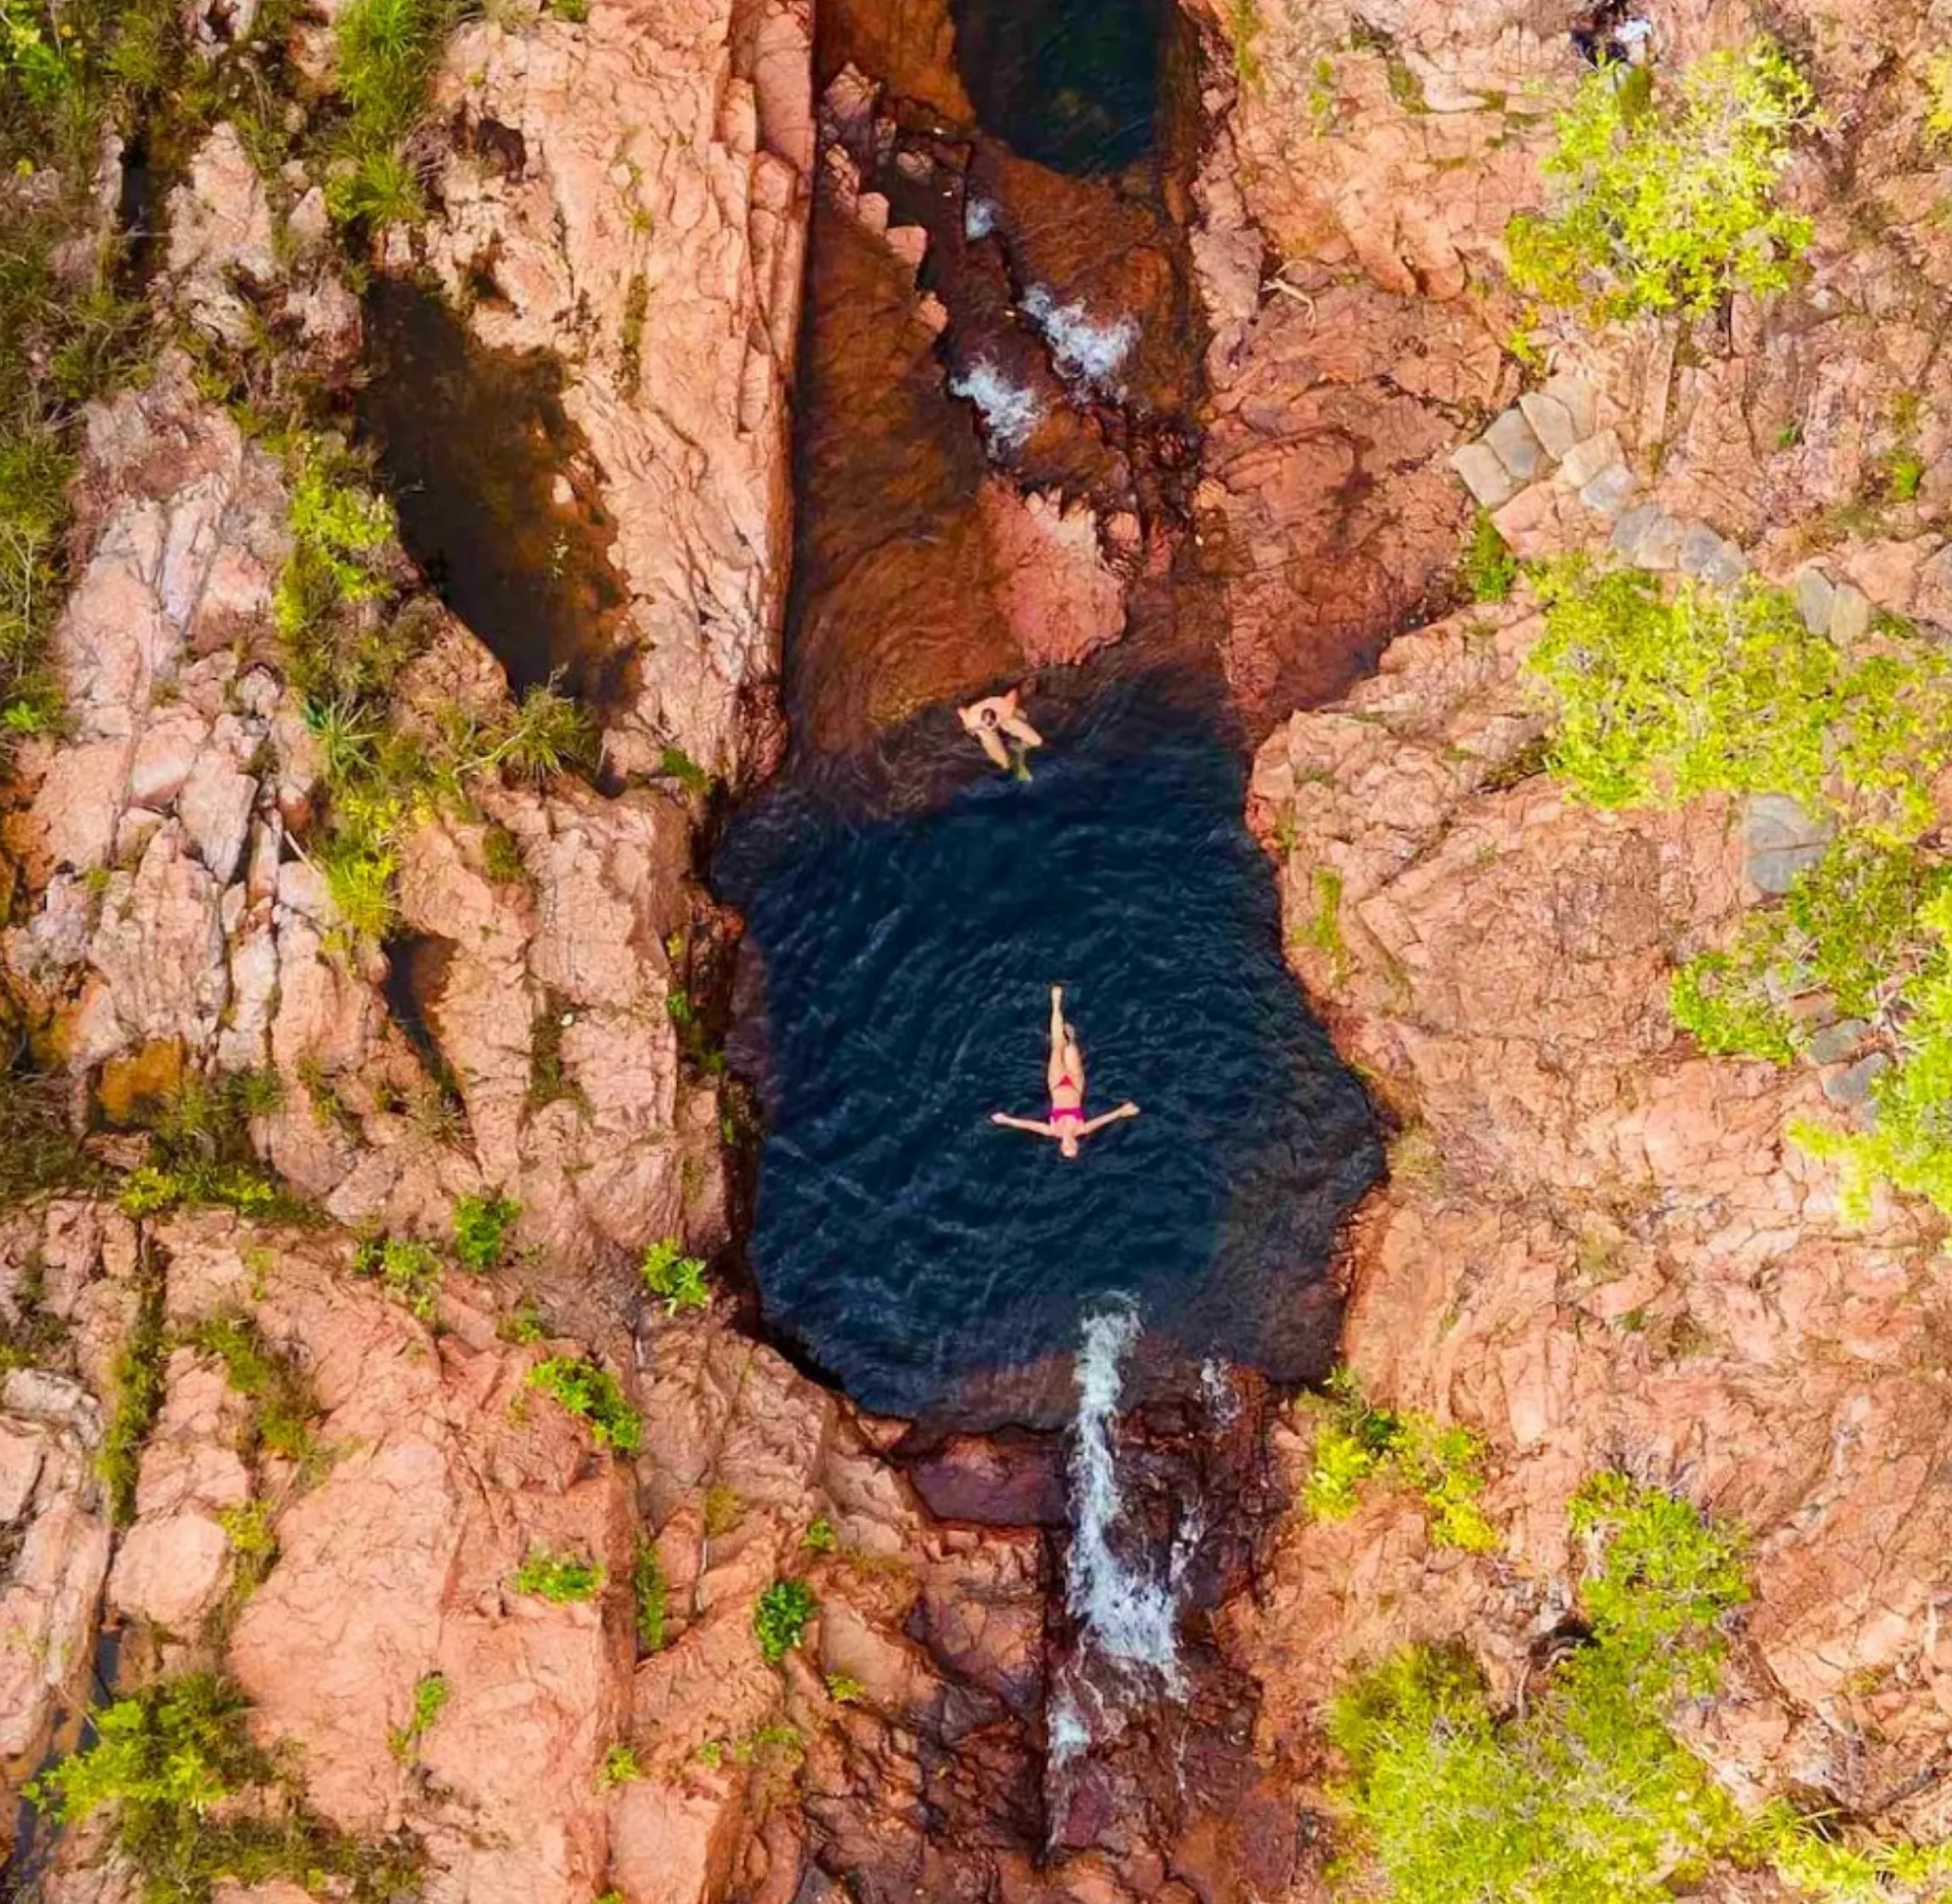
[[1098, 1123], [1034, 1125]]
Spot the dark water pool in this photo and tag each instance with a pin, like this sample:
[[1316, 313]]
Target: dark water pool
[[1072, 84], [913, 1249], [497, 502]]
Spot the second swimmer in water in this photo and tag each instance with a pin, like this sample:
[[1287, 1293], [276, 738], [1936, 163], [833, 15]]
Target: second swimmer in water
[[991, 721], [1065, 1074]]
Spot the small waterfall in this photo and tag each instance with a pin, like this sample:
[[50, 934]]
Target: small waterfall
[[1086, 350], [1128, 1615], [1009, 411]]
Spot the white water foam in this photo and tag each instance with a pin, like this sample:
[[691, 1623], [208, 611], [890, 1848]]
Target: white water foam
[[1069, 1733], [1009, 411], [1129, 1615], [1085, 350], [979, 217], [1217, 1390]]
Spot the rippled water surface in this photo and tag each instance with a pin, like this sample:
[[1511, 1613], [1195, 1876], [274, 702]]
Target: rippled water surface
[[1072, 84], [906, 1243]]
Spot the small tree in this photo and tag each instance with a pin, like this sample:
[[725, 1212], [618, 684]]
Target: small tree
[[1670, 205]]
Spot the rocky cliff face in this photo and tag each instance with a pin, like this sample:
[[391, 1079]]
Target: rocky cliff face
[[1596, 1248]]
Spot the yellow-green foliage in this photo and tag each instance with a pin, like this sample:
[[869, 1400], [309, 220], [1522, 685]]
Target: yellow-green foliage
[[565, 1578], [385, 51], [163, 1762], [1356, 1443], [593, 1394], [409, 1272], [1938, 95], [1664, 698], [1666, 197], [1585, 1795], [430, 1700]]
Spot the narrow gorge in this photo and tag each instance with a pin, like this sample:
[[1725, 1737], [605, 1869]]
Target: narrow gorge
[[528, 1372]]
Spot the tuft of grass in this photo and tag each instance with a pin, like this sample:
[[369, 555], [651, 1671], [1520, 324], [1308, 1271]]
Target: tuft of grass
[[1489, 570], [781, 1617], [430, 1699], [283, 1404], [593, 1394], [621, 1767], [649, 1595], [408, 1271], [481, 1230], [137, 1381], [1668, 201], [386, 52], [564, 1578], [724, 1508], [1323, 928], [677, 1279], [821, 1536], [1356, 1443]]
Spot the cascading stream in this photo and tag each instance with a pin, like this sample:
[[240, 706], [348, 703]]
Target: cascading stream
[[1127, 1611]]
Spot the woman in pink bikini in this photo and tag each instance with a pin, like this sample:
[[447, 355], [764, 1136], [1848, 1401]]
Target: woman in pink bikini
[[1066, 1122]]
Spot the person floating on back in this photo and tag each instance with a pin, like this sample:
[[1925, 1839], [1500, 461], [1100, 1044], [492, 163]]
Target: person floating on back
[[991, 720], [1065, 1074]]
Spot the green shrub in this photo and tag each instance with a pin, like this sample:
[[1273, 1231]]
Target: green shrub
[[821, 1536], [430, 1699], [138, 1382], [781, 1617], [387, 52], [1585, 1796], [1723, 999], [408, 1271], [677, 1280], [565, 1578], [1355, 1443], [1660, 700], [1669, 203], [1489, 570], [620, 1766], [649, 1595], [162, 1764], [592, 1394], [481, 1230], [283, 1404]]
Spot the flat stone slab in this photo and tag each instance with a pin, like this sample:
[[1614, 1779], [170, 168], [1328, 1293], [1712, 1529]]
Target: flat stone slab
[[1779, 840], [1574, 395], [1851, 1086], [1706, 556], [1550, 422], [1510, 437], [1816, 596], [1660, 546], [1633, 529], [1835, 1043], [1586, 458], [1487, 479], [1850, 615], [1609, 492]]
